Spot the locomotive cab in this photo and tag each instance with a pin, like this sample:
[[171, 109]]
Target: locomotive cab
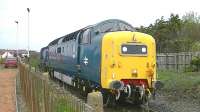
[[128, 64]]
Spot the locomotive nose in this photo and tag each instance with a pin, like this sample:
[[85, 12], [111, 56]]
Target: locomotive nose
[[129, 59]]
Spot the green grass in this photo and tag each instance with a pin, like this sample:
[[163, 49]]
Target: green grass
[[183, 84], [1, 60], [34, 61], [64, 105]]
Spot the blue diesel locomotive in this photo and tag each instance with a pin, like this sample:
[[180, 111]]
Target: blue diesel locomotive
[[110, 57]]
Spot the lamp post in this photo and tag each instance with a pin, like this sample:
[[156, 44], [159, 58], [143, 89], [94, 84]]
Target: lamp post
[[17, 37], [28, 31]]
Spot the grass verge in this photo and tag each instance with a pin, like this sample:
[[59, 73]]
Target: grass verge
[[180, 84]]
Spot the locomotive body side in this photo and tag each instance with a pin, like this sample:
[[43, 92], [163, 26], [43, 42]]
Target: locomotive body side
[[90, 59], [78, 58], [62, 57]]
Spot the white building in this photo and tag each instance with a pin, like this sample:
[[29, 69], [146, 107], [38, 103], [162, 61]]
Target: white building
[[6, 54]]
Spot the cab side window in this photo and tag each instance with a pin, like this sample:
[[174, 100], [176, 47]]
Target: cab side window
[[59, 50], [85, 37], [63, 50]]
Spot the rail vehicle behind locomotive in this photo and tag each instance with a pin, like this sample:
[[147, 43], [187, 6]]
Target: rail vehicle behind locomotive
[[110, 57]]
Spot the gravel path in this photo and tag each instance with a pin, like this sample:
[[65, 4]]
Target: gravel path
[[7, 90]]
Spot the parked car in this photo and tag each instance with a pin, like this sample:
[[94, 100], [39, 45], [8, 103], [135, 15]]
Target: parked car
[[10, 62]]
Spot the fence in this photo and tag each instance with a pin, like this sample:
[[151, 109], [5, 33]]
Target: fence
[[42, 95], [175, 61]]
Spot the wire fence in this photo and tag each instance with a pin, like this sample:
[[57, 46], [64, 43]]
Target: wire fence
[[43, 95]]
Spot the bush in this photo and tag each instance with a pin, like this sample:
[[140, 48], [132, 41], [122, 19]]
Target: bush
[[195, 63], [190, 69], [2, 60]]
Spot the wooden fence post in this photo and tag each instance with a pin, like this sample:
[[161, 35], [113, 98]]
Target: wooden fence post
[[95, 100], [185, 61], [177, 62], [167, 64]]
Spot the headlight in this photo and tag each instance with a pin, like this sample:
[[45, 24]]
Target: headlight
[[124, 49], [144, 50]]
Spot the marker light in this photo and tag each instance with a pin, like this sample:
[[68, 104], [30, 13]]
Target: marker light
[[113, 75], [124, 49], [134, 73], [144, 50]]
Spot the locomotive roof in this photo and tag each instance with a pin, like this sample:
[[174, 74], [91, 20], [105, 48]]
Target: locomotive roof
[[113, 25], [54, 42], [42, 49], [64, 38], [104, 26]]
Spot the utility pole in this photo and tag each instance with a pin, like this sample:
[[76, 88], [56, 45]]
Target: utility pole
[[17, 34], [28, 32]]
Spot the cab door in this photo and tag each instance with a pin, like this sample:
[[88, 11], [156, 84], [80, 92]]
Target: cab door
[[84, 54]]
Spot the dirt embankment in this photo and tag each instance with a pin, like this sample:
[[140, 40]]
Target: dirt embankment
[[7, 90]]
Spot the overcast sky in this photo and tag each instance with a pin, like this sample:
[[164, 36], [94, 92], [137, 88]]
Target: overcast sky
[[50, 19]]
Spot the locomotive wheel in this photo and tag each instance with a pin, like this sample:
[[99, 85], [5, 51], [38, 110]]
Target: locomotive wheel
[[109, 100], [61, 83], [137, 100], [51, 77], [154, 94], [75, 84], [145, 102], [85, 90], [121, 100]]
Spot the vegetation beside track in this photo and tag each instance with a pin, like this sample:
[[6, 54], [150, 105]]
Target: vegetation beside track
[[180, 85], [34, 59]]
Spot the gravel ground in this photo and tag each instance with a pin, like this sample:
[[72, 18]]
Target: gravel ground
[[170, 103]]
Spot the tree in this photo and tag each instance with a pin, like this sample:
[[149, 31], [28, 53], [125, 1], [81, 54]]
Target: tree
[[175, 34]]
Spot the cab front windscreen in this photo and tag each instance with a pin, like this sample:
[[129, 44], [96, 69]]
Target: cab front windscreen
[[133, 49]]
